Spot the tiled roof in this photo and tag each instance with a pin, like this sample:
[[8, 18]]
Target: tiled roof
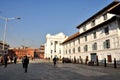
[[105, 10], [97, 26], [115, 9], [71, 37]]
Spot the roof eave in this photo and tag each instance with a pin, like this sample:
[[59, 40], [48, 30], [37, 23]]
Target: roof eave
[[104, 10]]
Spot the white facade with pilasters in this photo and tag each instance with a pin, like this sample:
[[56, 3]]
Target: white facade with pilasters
[[53, 45]]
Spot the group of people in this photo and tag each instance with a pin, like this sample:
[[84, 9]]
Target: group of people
[[25, 61], [4, 59], [13, 58]]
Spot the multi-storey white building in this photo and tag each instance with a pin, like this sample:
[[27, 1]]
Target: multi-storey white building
[[53, 45], [98, 37], [6, 47]]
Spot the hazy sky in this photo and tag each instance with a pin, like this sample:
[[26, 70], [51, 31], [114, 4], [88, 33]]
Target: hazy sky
[[40, 17]]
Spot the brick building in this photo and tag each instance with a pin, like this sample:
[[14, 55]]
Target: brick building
[[20, 52]]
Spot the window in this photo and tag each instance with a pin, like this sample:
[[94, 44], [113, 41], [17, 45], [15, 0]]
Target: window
[[69, 43], [105, 16], [86, 48], [85, 38], [73, 50], [106, 44], [69, 50], [84, 28], [0, 47], [51, 51], [79, 41], [78, 49], [94, 46], [94, 35], [106, 30], [51, 43], [56, 42], [59, 51], [93, 23], [66, 51]]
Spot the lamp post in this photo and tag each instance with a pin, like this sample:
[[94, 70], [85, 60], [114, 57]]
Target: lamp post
[[5, 28]]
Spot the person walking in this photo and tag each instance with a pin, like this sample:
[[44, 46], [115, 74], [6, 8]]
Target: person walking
[[5, 60], [54, 61], [15, 59], [25, 63]]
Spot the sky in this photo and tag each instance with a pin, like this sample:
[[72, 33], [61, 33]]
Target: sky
[[42, 17]]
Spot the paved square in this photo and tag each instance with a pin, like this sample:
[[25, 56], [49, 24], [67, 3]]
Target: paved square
[[42, 70]]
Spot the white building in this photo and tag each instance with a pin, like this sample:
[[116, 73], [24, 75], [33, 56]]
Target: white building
[[6, 47], [98, 37], [53, 45]]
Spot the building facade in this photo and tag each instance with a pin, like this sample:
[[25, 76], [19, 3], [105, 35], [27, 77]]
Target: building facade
[[53, 45], [21, 52], [39, 53], [6, 47], [98, 37], [42, 51]]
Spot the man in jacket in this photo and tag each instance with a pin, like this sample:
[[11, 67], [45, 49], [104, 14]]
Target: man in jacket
[[25, 63]]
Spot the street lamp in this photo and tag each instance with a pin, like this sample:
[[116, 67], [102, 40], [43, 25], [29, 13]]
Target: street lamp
[[5, 27]]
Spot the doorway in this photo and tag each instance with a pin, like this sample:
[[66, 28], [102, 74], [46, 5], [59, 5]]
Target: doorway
[[93, 57]]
